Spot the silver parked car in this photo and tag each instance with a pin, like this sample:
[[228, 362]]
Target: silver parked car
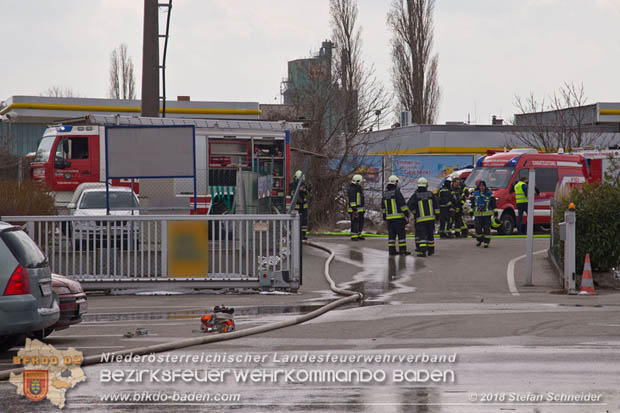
[[28, 304], [91, 200]]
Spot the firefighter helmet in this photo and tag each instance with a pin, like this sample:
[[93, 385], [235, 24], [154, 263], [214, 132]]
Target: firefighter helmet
[[393, 179], [357, 179], [298, 175], [422, 182]]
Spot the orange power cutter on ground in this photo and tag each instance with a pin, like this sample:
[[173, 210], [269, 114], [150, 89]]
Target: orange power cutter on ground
[[220, 320]]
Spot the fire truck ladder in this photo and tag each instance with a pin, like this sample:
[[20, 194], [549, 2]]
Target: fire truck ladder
[[167, 7]]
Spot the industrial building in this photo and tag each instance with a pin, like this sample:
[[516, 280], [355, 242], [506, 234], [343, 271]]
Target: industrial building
[[602, 120]]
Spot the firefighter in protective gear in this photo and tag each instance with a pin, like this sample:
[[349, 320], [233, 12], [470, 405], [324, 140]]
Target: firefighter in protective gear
[[356, 207], [396, 213], [459, 199], [483, 204], [301, 205], [446, 209], [424, 206], [520, 190]]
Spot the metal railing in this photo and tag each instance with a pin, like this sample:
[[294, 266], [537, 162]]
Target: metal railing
[[213, 250]]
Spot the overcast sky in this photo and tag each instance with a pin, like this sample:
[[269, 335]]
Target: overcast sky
[[489, 50]]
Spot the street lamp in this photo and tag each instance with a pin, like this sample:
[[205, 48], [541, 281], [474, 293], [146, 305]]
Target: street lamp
[[378, 113]]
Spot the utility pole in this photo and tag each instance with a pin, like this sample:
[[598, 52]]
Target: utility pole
[[150, 60], [531, 196]]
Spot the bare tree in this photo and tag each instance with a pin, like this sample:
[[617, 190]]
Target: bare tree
[[122, 80], [60, 92], [564, 120], [340, 100], [414, 68]]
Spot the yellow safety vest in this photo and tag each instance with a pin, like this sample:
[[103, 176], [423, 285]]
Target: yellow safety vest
[[520, 193]]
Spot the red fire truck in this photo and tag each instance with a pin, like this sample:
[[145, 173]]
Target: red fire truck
[[598, 162], [71, 154], [502, 170]]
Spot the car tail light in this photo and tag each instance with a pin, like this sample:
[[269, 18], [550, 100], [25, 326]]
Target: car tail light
[[18, 283]]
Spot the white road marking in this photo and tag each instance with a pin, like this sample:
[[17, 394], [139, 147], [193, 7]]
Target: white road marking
[[510, 273]]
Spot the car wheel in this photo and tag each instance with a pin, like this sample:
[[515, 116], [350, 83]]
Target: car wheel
[[508, 224], [47, 332]]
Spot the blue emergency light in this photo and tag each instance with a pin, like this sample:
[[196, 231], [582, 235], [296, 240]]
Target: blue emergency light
[[65, 128], [514, 161]]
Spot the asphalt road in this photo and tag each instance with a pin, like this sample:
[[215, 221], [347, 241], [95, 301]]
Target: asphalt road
[[515, 348]]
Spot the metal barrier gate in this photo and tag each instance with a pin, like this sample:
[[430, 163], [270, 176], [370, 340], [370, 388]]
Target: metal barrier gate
[[214, 251]]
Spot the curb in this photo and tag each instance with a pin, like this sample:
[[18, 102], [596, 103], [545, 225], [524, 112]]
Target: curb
[[556, 268]]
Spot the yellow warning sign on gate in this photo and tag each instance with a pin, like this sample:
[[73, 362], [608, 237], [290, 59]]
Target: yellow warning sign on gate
[[188, 249]]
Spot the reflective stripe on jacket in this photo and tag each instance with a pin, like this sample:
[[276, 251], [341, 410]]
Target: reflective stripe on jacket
[[393, 205], [445, 198], [483, 203], [356, 198], [423, 204]]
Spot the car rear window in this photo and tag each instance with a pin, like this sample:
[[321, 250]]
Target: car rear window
[[7, 264], [23, 248], [118, 200]]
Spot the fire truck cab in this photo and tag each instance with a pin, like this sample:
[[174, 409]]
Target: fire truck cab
[[504, 169], [68, 156]]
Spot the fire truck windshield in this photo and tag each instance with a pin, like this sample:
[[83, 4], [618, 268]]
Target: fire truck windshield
[[493, 177], [44, 149]]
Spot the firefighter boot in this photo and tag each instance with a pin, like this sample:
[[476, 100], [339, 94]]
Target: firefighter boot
[[420, 250]]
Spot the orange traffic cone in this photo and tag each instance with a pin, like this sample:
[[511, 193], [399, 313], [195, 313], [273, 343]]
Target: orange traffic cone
[[587, 285]]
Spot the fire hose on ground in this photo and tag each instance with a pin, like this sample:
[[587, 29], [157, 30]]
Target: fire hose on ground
[[351, 297]]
